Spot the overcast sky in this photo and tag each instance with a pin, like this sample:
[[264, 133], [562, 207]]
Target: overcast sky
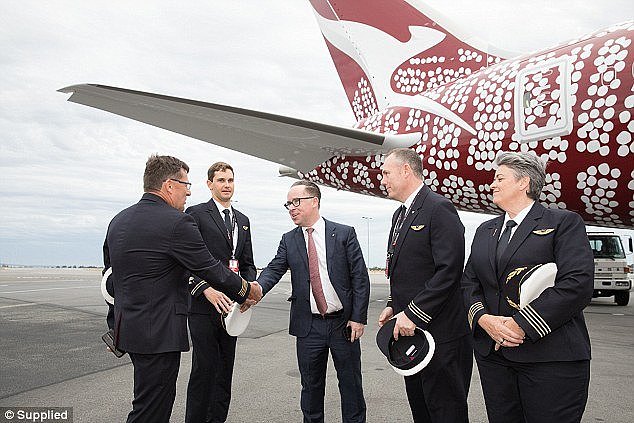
[[68, 169]]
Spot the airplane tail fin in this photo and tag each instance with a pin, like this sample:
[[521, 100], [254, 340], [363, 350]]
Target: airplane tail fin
[[383, 49]]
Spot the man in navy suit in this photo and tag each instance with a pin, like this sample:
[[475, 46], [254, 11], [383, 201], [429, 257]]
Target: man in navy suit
[[424, 266], [227, 235], [533, 359], [329, 302], [152, 247]]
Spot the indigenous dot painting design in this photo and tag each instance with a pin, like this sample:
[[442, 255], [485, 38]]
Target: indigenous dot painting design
[[571, 105], [363, 102]]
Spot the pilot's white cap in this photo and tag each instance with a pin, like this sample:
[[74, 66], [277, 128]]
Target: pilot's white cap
[[236, 322]]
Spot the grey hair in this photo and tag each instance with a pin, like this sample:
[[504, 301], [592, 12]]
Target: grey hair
[[525, 164], [409, 157]]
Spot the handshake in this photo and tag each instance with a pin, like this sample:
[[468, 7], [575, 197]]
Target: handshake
[[255, 295], [223, 304]]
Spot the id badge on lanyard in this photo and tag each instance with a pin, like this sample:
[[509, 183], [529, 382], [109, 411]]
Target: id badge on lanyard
[[234, 266]]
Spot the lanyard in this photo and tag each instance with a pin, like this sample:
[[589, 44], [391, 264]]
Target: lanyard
[[234, 224], [400, 220]]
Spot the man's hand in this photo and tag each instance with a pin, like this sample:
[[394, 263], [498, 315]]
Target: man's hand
[[221, 302], [255, 295], [357, 330], [503, 332], [386, 314], [404, 326]]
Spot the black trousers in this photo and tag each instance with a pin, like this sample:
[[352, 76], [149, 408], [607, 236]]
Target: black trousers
[[533, 392], [312, 356], [209, 387], [438, 393], [154, 386]]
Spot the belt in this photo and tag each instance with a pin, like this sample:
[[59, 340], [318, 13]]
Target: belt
[[332, 315]]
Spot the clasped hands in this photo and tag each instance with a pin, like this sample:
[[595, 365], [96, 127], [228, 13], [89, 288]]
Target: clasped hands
[[255, 295], [503, 330], [223, 304]]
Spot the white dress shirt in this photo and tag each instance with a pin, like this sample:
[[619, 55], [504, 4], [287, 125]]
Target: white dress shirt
[[319, 237], [410, 199], [234, 234], [519, 218]]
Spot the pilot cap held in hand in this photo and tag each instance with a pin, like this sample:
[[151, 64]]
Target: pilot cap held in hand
[[409, 354]]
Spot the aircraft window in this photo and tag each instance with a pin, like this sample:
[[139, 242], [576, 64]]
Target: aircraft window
[[527, 99]]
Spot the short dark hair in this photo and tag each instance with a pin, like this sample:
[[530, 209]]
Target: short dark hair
[[160, 168], [310, 187], [218, 167], [410, 157], [525, 164]]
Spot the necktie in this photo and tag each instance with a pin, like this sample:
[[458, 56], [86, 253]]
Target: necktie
[[401, 217], [399, 222], [504, 239], [315, 279], [228, 224]]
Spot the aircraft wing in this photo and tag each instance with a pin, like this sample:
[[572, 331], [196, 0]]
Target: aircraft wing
[[296, 143]]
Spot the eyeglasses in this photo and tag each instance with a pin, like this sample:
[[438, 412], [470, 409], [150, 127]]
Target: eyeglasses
[[295, 202], [188, 185]]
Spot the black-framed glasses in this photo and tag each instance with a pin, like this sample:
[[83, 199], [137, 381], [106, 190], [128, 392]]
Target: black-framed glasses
[[188, 185], [295, 202]]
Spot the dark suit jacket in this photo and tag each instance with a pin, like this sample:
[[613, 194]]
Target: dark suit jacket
[[553, 322], [151, 248], [427, 265], [346, 269], [212, 228]]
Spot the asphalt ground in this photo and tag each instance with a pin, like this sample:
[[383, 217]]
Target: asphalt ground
[[53, 356]]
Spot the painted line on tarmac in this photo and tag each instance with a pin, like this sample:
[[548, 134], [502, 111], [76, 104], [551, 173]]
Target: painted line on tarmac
[[46, 289], [17, 305]]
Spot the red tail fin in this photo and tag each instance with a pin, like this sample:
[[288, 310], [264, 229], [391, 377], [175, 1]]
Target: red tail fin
[[383, 49]]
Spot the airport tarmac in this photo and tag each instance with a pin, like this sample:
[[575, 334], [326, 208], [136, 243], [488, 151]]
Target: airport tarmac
[[53, 356]]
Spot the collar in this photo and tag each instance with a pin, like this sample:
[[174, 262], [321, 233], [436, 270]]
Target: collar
[[153, 197], [410, 199], [319, 226], [520, 216], [221, 207]]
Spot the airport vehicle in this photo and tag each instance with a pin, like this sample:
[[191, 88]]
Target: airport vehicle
[[413, 80], [611, 272]]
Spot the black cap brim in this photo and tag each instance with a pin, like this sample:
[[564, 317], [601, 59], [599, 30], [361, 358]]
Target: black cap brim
[[409, 354]]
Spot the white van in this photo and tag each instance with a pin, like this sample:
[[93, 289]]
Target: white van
[[611, 272]]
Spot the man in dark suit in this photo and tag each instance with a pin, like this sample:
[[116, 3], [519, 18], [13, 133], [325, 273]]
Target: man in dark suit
[[152, 247], [227, 235], [330, 294], [533, 359], [424, 266]]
